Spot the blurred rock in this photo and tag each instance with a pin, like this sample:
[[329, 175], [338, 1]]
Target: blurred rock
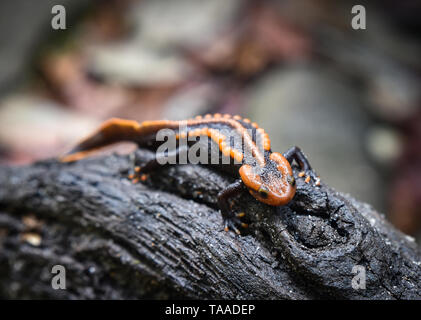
[[394, 94], [384, 145], [320, 112], [130, 64], [185, 23], [32, 128], [191, 101]]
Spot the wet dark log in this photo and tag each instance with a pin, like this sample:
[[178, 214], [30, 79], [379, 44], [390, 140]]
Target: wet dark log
[[164, 238]]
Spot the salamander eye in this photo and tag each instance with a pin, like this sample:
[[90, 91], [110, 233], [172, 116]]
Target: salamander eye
[[291, 180], [263, 192]]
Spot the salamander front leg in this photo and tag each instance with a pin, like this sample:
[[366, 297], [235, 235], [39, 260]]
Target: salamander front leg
[[296, 154], [231, 221]]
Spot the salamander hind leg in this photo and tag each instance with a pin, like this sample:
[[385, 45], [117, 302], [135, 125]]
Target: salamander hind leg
[[159, 161], [231, 220], [134, 172], [296, 154]]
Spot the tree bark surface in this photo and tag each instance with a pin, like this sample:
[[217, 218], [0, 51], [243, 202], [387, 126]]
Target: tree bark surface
[[164, 238]]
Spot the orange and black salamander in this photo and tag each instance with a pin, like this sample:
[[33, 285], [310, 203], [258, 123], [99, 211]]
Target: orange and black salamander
[[267, 175]]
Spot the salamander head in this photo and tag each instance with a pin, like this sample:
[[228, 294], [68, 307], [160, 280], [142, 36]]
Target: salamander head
[[274, 184]]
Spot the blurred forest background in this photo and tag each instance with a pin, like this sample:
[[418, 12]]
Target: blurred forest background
[[349, 98]]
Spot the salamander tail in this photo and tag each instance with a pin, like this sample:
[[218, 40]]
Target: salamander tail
[[111, 131]]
